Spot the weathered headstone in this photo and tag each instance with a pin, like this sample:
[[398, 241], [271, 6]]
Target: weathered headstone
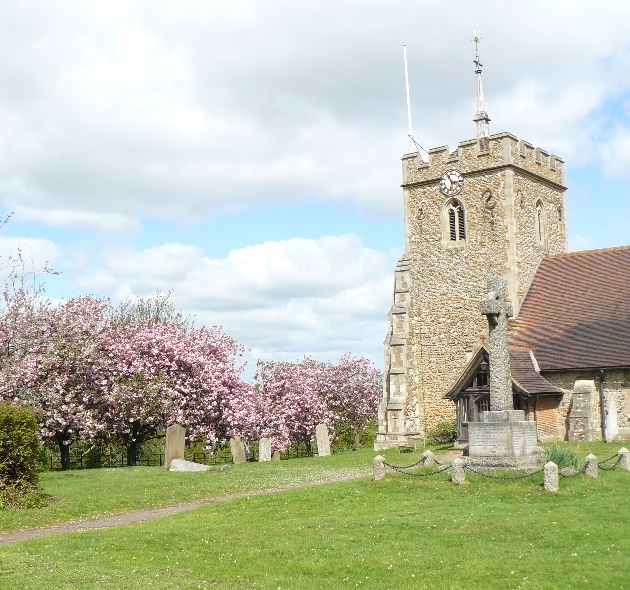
[[502, 438], [378, 467], [498, 310], [264, 450], [247, 448], [458, 474], [238, 451], [323, 444], [624, 458], [551, 477], [428, 459], [175, 443], [182, 465], [275, 456], [591, 465], [581, 415]]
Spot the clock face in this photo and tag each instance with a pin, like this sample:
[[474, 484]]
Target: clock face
[[451, 183]]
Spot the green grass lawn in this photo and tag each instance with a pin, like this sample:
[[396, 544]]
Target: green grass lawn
[[401, 532], [94, 492]]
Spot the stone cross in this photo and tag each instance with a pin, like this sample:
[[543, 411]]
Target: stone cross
[[175, 442], [497, 309]]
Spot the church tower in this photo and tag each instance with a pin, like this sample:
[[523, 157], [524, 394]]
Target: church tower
[[495, 206]]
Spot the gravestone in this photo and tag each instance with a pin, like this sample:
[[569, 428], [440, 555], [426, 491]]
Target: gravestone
[[264, 450], [175, 442], [182, 465], [323, 444], [503, 438], [581, 415], [275, 456], [238, 450]]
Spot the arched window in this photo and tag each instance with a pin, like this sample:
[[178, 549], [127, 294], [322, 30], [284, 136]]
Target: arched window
[[540, 223], [456, 221]]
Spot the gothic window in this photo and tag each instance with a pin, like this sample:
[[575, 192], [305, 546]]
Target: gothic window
[[456, 221], [540, 223]]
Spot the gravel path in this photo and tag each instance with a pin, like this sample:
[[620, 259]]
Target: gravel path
[[105, 522]]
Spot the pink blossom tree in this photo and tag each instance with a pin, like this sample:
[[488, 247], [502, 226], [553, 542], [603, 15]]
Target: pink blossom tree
[[53, 364], [290, 399], [158, 374]]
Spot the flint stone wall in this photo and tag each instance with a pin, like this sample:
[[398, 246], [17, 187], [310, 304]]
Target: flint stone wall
[[616, 384]]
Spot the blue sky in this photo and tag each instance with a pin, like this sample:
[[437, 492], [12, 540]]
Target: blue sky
[[247, 154]]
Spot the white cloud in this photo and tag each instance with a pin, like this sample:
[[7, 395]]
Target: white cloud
[[282, 299], [178, 111], [109, 223]]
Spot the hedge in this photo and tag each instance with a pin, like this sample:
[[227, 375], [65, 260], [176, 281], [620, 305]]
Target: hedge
[[19, 450]]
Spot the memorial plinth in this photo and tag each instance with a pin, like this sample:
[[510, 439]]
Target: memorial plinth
[[502, 440]]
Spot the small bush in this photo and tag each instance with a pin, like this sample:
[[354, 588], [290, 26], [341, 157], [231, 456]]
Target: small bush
[[442, 433], [560, 455], [19, 453]]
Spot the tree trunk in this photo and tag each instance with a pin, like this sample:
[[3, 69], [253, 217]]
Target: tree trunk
[[132, 444], [132, 453], [64, 451], [309, 447]]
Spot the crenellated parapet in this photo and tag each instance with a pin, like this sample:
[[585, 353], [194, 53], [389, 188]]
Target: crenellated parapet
[[503, 150]]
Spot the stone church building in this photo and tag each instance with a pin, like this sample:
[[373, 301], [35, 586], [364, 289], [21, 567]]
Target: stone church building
[[496, 206]]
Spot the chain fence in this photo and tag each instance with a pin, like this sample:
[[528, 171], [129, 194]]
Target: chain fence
[[404, 468], [610, 468], [443, 468], [576, 474]]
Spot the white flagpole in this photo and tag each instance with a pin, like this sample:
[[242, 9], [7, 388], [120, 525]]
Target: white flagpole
[[413, 147]]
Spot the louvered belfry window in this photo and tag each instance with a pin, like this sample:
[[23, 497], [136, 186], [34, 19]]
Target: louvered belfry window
[[456, 221]]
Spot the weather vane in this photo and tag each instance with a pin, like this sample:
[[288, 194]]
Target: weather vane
[[476, 40]]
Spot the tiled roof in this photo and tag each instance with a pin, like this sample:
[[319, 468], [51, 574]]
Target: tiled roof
[[576, 314], [525, 376]]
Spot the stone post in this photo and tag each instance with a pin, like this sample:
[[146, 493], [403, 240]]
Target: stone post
[[498, 310], [551, 477], [591, 465], [175, 442], [428, 458], [458, 474], [323, 444], [378, 467], [624, 455], [264, 450]]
